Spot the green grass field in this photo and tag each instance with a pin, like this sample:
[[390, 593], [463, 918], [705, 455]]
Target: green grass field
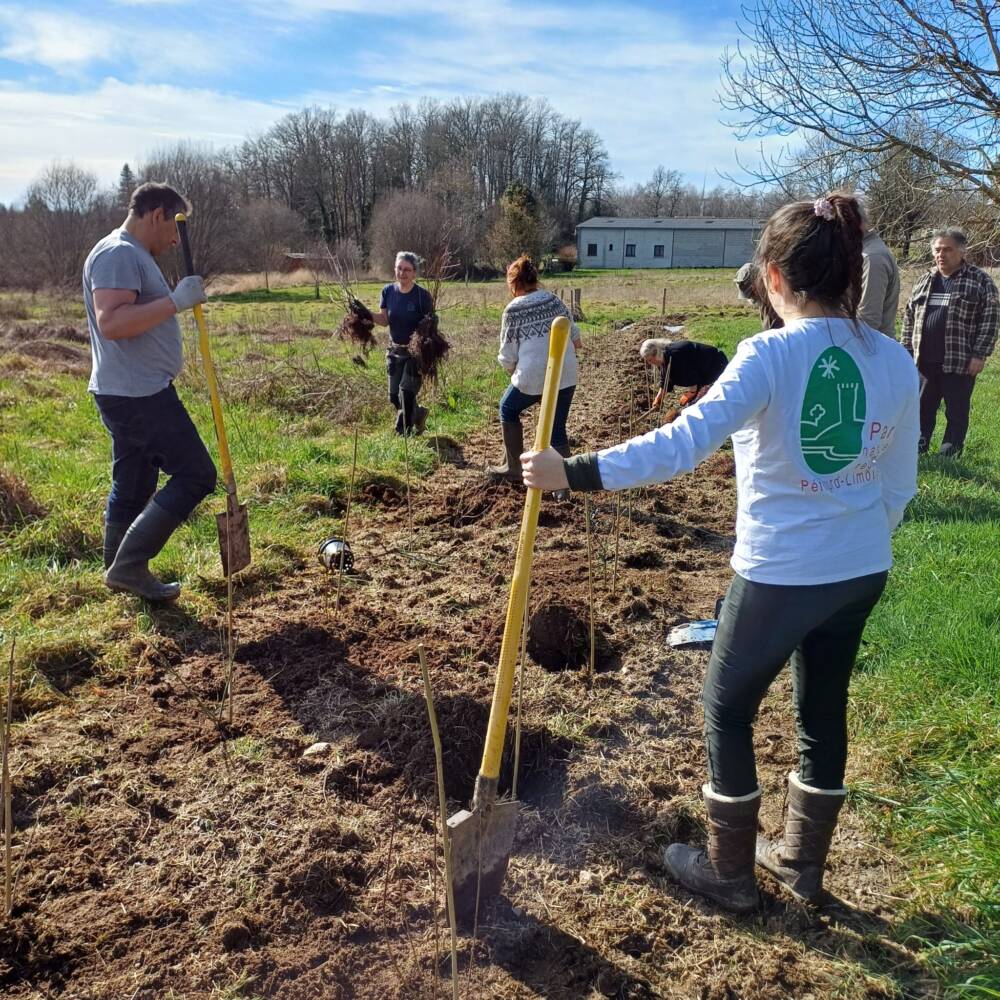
[[925, 706]]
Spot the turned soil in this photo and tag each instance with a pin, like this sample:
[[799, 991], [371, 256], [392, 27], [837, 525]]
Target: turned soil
[[164, 854]]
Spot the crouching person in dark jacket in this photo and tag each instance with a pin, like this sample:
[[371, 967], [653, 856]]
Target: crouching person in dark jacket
[[137, 353]]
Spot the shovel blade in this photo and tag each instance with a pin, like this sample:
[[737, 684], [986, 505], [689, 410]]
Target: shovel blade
[[481, 843], [234, 538]]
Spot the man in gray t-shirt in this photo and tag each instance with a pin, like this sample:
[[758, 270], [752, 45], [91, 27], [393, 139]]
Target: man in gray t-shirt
[[137, 352]]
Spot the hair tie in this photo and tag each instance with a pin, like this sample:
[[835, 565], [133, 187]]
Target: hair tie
[[824, 209]]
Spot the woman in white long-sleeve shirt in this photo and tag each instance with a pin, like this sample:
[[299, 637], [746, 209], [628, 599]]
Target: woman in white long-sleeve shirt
[[823, 415]]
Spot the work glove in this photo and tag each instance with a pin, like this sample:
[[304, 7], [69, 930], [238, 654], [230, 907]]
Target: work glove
[[190, 291]]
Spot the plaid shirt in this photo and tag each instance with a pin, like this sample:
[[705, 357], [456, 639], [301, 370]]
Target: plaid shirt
[[971, 325]]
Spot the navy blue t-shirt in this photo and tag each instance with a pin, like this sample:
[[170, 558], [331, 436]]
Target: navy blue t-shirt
[[405, 311], [935, 320]]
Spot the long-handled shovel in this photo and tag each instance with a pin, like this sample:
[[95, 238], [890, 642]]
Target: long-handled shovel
[[234, 527], [481, 840]]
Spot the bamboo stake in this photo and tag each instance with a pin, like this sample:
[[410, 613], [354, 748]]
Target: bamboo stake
[[520, 691], [406, 460], [230, 638], [8, 823], [590, 584], [631, 433], [614, 571], [347, 522], [443, 806]]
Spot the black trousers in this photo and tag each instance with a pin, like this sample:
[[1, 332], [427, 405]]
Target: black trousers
[[404, 384], [761, 627], [150, 434], [956, 391]]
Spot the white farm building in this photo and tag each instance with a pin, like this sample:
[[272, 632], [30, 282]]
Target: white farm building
[[609, 242]]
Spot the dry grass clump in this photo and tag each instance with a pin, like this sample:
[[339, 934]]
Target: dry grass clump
[[17, 505]]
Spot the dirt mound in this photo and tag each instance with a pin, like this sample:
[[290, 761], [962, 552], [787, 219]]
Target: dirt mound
[[653, 327], [17, 505]]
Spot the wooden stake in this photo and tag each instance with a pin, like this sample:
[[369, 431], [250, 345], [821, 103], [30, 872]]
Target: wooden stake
[[590, 583], [520, 691], [614, 571], [443, 806], [8, 822], [347, 521], [406, 459], [663, 308]]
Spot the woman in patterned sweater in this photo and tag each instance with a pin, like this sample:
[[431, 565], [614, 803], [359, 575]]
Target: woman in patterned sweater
[[524, 353]]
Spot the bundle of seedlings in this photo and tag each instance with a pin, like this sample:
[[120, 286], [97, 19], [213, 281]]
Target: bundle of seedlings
[[427, 346], [358, 325]]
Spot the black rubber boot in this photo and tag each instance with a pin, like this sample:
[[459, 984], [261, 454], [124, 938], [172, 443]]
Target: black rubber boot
[[513, 445], [113, 535], [797, 859], [420, 420], [724, 870], [143, 541]]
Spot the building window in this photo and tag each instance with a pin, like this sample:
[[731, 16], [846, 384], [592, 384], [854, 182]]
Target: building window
[[657, 249], [591, 249], [629, 249], [611, 246]]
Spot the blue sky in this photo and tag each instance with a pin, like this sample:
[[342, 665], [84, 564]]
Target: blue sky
[[105, 83]]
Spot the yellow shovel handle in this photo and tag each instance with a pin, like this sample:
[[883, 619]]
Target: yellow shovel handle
[[206, 356], [213, 392], [497, 728]]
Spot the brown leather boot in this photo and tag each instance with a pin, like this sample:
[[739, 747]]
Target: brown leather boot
[[724, 870], [797, 859], [513, 445]]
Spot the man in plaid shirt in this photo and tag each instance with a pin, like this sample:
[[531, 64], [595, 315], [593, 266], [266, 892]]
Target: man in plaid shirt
[[950, 329]]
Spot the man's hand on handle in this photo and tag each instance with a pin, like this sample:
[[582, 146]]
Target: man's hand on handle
[[544, 470], [190, 292]]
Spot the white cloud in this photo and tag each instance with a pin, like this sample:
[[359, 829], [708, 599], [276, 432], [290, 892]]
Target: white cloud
[[644, 81], [59, 41], [115, 123]]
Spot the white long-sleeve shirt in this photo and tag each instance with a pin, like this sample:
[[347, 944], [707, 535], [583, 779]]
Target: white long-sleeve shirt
[[824, 426], [524, 341]]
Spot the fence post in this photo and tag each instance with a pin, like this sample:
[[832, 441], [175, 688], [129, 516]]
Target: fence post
[[663, 308]]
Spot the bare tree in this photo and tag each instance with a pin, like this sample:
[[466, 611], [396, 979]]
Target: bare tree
[[64, 216], [267, 230], [201, 176], [408, 220], [919, 76]]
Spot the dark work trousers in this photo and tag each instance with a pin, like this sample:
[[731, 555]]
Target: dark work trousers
[[404, 384], [514, 402], [761, 627], [956, 391], [150, 434]]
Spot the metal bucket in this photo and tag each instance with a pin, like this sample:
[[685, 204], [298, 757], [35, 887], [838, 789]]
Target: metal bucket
[[333, 551]]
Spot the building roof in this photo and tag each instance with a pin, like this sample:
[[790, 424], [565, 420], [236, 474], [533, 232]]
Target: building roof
[[606, 222]]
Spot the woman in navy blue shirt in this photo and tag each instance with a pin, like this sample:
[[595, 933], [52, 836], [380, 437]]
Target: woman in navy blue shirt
[[402, 306]]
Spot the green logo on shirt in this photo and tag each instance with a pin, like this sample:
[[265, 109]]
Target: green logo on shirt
[[833, 413]]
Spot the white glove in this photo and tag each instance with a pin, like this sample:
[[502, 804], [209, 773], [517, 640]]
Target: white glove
[[190, 291]]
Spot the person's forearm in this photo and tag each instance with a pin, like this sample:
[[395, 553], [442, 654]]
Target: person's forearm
[[133, 320]]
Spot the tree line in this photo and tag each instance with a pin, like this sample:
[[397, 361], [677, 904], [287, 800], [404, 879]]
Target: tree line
[[488, 177]]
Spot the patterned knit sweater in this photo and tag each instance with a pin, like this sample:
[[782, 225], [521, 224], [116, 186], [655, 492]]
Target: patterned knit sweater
[[524, 341]]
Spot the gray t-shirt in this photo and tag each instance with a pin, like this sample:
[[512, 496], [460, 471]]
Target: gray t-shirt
[[138, 366]]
